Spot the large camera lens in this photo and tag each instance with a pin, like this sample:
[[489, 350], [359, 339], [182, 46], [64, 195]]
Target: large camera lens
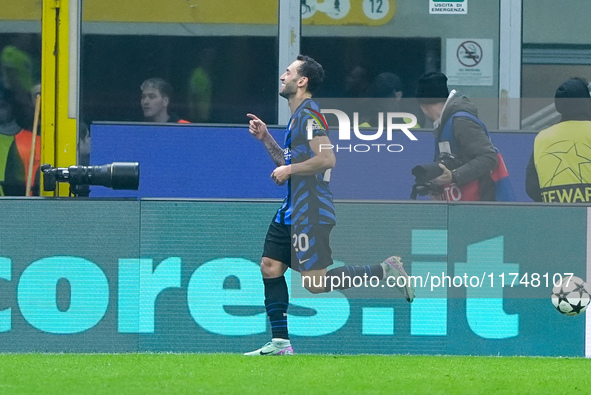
[[125, 175], [117, 175]]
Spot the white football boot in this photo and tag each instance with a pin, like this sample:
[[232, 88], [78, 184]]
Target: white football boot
[[274, 347]]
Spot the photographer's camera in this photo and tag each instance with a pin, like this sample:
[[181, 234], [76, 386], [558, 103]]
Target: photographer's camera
[[427, 172], [117, 175]]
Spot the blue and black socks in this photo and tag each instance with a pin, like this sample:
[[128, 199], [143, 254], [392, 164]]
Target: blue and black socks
[[276, 303]]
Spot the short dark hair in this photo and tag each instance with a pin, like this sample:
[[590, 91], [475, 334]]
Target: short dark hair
[[312, 70], [385, 85], [164, 87]]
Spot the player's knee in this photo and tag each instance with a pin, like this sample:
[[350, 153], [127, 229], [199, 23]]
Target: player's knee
[[271, 268]]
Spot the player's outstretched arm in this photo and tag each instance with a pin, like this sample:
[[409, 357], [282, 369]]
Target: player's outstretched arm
[[259, 130]]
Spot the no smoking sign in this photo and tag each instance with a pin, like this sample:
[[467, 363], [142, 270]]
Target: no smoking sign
[[469, 53], [469, 61]]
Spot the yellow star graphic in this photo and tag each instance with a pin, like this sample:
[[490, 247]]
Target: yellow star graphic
[[569, 161]]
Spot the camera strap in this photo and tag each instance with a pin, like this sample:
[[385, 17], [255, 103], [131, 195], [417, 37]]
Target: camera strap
[[447, 130]]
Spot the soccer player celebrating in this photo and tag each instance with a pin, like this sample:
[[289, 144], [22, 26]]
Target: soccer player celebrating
[[298, 236]]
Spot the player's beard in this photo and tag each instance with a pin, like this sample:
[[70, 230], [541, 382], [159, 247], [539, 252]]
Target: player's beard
[[289, 90]]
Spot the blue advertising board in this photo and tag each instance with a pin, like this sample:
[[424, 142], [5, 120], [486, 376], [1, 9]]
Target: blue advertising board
[[190, 161]]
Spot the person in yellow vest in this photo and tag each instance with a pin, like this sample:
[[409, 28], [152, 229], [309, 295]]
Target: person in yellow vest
[[15, 151], [200, 87], [16, 68], [560, 168]]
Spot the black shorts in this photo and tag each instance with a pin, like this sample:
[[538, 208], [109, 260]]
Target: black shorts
[[303, 248]]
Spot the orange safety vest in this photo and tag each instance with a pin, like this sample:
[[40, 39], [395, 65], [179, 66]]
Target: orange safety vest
[[23, 141]]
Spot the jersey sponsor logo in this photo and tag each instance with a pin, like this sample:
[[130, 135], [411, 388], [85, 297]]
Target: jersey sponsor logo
[[287, 155]]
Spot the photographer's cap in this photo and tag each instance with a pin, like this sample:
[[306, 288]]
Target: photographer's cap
[[432, 88]]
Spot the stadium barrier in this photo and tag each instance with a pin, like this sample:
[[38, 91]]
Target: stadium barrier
[[194, 161], [128, 275]]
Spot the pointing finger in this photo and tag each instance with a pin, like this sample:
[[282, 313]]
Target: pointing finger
[[252, 116]]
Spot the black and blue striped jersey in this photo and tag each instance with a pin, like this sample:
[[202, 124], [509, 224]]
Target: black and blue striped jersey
[[308, 200]]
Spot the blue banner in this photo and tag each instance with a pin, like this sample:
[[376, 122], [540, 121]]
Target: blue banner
[[189, 161]]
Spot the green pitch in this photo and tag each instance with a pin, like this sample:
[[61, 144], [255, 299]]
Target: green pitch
[[300, 374]]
